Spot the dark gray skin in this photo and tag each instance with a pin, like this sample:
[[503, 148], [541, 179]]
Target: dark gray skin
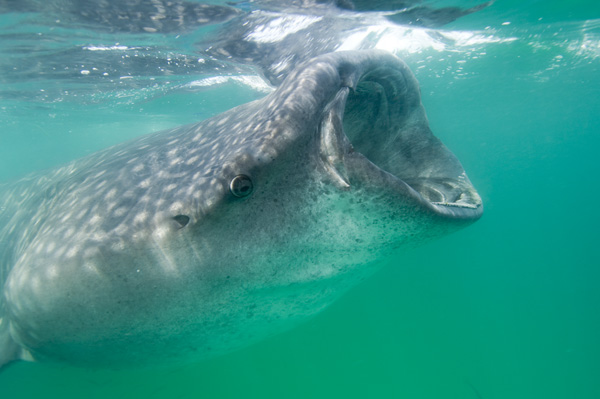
[[156, 251]]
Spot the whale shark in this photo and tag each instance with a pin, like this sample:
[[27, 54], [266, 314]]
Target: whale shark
[[202, 239]]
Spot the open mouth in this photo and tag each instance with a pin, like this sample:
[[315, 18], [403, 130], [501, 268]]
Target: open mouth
[[382, 121]]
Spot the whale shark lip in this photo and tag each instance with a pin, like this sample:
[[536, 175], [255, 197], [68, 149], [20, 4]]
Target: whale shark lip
[[370, 130]]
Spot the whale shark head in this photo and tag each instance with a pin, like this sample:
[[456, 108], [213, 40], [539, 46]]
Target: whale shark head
[[202, 239]]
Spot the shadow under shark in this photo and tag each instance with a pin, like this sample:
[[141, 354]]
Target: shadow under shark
[[198, 240]]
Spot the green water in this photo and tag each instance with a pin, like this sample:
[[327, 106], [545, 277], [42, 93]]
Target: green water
[[507, 308]]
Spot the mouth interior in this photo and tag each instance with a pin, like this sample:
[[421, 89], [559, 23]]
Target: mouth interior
[[386, 122]]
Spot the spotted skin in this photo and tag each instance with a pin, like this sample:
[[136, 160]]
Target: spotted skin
[[142, 254]]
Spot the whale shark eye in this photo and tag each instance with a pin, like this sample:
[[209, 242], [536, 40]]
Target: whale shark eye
[[183, 220], [241, 186]]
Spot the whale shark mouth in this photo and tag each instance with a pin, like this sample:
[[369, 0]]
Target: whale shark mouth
[[381, 121]]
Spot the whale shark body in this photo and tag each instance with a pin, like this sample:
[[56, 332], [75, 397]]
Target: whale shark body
[[198, 240]]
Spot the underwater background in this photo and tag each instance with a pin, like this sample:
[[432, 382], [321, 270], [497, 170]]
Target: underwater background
[[506, 308]]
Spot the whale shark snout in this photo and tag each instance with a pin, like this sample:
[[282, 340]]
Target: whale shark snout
[[198, 240]]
